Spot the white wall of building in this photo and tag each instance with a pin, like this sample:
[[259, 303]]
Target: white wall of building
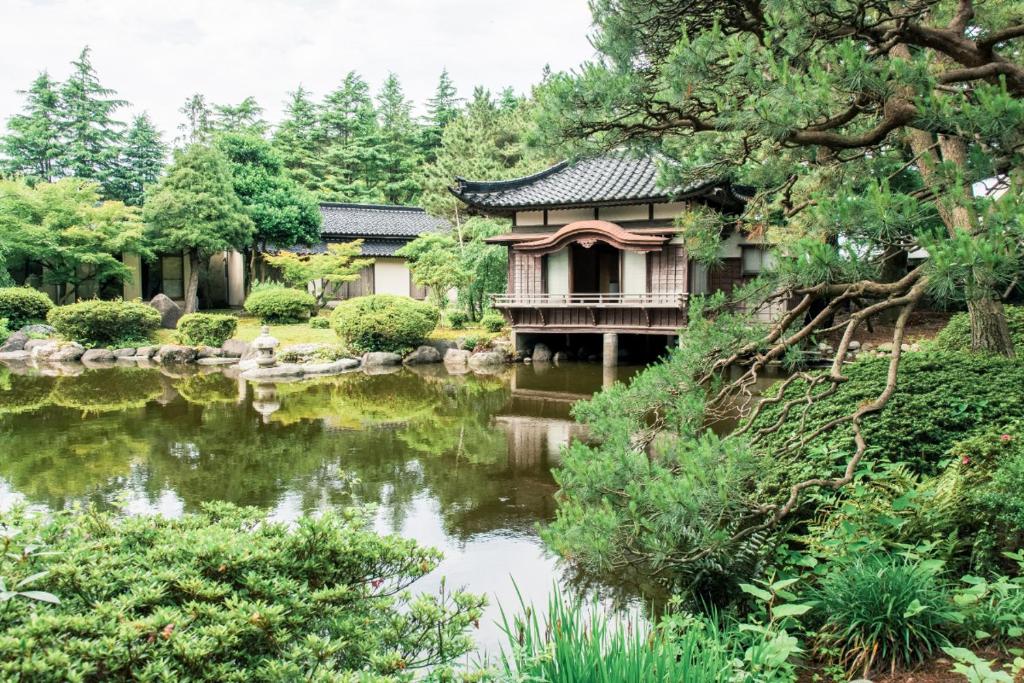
[[391, 276], [634, 272], [558, 272]]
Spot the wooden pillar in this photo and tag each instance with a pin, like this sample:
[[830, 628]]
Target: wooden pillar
[[610, 349]]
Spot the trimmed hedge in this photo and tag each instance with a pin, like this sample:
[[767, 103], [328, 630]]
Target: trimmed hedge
[[105, 323], [383, 322], [940, 399], [457, 319], [23, 306], [956, 335], [280, 305], [206, 329]]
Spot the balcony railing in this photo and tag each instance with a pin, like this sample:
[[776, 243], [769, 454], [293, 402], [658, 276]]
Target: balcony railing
[[643, 300]]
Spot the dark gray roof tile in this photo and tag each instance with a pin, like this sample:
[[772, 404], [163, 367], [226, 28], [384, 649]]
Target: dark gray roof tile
[[365, 220]]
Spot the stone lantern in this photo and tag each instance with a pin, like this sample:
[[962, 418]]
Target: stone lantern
[[266, 401], [265, 345]]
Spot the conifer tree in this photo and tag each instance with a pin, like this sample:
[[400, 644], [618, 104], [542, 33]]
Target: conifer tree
[[348, 124], [32, 146], [297, 139], [195, 209], [91, 135], [442, 109], [399, 152], [244, 117], [143, 155], [198, 123]]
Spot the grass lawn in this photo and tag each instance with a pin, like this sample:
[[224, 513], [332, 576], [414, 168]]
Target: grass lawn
[[249, 329]]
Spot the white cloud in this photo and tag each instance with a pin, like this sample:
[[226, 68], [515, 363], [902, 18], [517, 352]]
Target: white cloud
[[155, 54]]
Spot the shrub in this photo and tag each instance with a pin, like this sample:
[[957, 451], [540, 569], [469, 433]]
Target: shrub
[[940, 398], [457, 319], [883, 611], [209, 329], [223, 595], [320, 323], [383, 322], [23, 305], [956, 335], [274, 304], [5, 331], [493, 322], [105, 323]]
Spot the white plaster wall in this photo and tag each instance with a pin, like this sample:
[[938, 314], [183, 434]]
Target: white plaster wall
[[391, 276], [730, 246], [558, 272], [133, 284], [566, 216], [633, 212], [634, 272], [669, 210], [525, 218]]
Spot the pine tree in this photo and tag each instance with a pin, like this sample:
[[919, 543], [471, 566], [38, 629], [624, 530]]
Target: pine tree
[[32, 146], [348, 124], [198, 124], [92, 137], [297, 140], [244, 117], [195, 209], [399, 152], [442, 109], [142, 159]]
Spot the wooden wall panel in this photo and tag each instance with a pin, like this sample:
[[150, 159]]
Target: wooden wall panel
[[667, 270], [526, 273]]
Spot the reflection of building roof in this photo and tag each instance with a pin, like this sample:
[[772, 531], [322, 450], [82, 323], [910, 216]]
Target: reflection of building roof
[[607, 180], [377, 220]]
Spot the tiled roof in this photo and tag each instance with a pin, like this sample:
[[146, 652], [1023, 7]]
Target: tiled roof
[[366, 220], [600, 180]]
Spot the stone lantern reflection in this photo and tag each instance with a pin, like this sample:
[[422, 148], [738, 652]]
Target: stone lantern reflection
[[265, 400], [265, 345]]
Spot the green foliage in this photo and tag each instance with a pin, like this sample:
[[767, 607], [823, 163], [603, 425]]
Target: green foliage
[[22, 306], [883, 611], [435, 262], [32, 147], [65, 227], [5, 331], [224, 595], [383, 322], [280, 305], [493, 321], [320, 323], [977, 670], [105, 323], [339, 264], [940, 398], [456, 319], [206, 329], [140, 163], [956, 335]]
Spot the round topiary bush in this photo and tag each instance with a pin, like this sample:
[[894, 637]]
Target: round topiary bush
[[493, 321], [383, 322], [319, 323], [105, 323], [457, 319], [23, 305], [280, 305], [956, 335], [206, 329]]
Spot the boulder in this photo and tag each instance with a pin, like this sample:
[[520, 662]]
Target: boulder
[[33, 344], [885, 347], [486, 361], [39, 330], [209, 352], [15, 355], [98, 356], [127, 352], [442, 345], [175, 354], [218, 361], [67, 352], [235, 348], [504, 347], [541, 353], [170, 312], [332, 368], [423, 354], [146, 352], [301, 353], [15, 342], [854, 345], [560, 356], [457, 357], [276, 372], [380, 358]]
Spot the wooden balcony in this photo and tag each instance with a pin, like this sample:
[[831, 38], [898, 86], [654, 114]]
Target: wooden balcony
[[646, 313]]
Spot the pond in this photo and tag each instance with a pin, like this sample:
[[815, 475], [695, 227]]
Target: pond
[[459, 462]]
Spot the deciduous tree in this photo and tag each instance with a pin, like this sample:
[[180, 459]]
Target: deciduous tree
[[340, 264]]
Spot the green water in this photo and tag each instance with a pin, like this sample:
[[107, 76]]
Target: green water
[[459, 462]]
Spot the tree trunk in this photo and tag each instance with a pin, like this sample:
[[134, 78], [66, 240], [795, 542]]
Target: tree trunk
[[989, 329], [192, 290], [894, 267]]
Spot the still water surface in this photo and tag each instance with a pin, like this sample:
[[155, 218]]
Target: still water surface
[[459, 462]]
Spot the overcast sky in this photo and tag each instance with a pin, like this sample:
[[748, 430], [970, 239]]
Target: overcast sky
[[155, 54]]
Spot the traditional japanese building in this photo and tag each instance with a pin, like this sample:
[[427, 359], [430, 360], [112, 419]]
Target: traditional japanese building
[[594, 251]]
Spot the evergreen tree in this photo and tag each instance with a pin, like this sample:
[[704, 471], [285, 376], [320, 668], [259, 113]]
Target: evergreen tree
[[32, 147], [244, 117], [91, 136], [142, 159], [198, 124], [348, 124], [398, 148], [195, 209], [298, 140], [442, 109]]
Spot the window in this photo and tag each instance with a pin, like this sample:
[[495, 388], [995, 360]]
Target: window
[[754, 259], [698, 278], [172, 276]]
